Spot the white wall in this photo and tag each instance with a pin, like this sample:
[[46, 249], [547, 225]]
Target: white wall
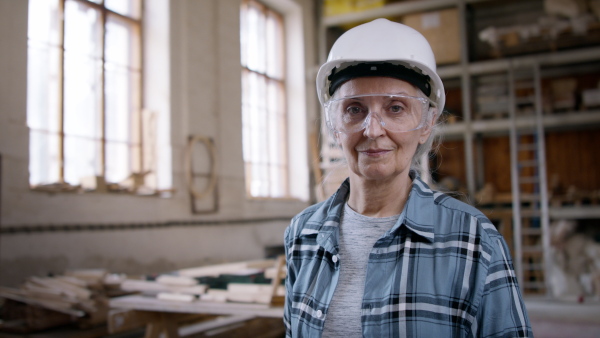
[[197, 83]]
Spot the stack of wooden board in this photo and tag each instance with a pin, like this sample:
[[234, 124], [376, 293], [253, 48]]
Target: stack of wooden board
[[245, 282], [79, 297]]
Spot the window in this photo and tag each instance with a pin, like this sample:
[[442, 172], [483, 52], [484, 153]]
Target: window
[[84, 106], [264, 115]]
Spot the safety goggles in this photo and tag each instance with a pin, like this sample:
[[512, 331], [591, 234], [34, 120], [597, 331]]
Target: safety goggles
[[394, 112]]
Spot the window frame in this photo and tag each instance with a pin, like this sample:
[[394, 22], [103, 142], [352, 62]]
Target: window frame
[[282, 86], [136, 138]]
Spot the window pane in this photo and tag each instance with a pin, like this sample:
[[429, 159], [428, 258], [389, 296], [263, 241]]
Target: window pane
[[82, 158], [83, 30], [118, 157], [263, 101], [122, 43], [131, 8], [43, 90], [82, 96], [43, 157], [255, 37], [122, 104], [43, 22], [274, 45], [82, 72]]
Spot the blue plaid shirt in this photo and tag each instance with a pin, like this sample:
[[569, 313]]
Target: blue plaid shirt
[[441, 271]]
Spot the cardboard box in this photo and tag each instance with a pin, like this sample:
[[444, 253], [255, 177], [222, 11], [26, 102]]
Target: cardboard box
[[339, 7], [591, 98], [442, 30]]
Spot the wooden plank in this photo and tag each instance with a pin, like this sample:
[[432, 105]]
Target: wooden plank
[[176, 280], [176, 297], [276, 281], [154, 287], [17, 295], [228, 268], [140, 302], [63, 286]]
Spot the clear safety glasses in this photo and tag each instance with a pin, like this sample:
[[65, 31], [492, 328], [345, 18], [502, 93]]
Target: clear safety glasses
[[395, 113]]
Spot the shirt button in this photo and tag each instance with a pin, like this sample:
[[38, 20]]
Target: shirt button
[[319, 313], [334, 258]]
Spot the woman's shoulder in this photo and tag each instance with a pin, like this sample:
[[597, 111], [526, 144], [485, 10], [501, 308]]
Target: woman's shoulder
[[309, 218], [452, 208]]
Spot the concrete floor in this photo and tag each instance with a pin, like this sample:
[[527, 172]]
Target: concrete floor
[[563, 319]]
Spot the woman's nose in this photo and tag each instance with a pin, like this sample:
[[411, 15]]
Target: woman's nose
[[374, 126]]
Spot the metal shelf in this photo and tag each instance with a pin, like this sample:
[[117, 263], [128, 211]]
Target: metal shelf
[[502, 65], [575, 212], [559, 120]]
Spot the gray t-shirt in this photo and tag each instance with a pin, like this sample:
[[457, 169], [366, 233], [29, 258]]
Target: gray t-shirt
[[358, 235]]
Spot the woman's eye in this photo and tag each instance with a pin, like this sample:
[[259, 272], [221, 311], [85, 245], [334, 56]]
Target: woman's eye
[[396, 108], [353, 110]]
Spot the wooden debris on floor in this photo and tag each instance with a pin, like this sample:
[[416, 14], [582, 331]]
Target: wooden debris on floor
[[76, 297], [575, 273]]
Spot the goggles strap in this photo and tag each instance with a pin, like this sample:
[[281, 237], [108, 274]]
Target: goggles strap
[[384, 69]]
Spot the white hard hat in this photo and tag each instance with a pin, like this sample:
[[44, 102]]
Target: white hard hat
[[382, 41]]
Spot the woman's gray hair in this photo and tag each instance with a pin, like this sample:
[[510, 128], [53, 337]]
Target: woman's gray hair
[[423, 149]]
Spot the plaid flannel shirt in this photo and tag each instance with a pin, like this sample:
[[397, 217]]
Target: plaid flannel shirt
[[441, 271]]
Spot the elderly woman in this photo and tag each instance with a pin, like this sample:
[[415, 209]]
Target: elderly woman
[[386, 256]]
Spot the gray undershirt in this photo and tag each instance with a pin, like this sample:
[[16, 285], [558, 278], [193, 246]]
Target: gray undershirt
[[358, 235]]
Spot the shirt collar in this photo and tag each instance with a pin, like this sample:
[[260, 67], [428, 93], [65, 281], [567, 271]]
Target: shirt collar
[[419, 210], [417, 215]]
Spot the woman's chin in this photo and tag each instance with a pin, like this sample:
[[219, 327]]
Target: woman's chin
[[376, 173]]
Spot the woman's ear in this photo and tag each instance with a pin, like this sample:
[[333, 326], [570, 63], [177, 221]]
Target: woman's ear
[[426, 131]]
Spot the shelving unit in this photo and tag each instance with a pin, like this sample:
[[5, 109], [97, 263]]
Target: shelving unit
[[469, 129]]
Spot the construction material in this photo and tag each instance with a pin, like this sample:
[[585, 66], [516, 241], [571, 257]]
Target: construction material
[[576, 271], [178, 297], [243, 282], [45, 302], [228, 268], [153, 288], [442, 31], [340, 7]]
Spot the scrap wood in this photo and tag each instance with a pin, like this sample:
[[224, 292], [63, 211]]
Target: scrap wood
[[271, 273], [176, 280], [63, 286], [88, 274], [228, 268], [155, 288], [72, 280], [253, 293], [215, 295], [178, 297], [254, 288], [18, 295]]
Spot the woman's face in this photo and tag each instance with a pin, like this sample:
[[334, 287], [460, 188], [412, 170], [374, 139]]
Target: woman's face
[[376, 153]]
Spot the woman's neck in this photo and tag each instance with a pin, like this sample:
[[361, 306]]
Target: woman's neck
[[379, 198]]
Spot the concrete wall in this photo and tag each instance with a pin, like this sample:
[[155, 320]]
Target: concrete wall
[[196, 83]]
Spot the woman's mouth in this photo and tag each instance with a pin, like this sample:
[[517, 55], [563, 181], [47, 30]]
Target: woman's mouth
[[375, 152]]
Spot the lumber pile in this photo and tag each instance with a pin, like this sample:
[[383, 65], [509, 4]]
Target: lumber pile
[[76, 297], [245, 282]]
